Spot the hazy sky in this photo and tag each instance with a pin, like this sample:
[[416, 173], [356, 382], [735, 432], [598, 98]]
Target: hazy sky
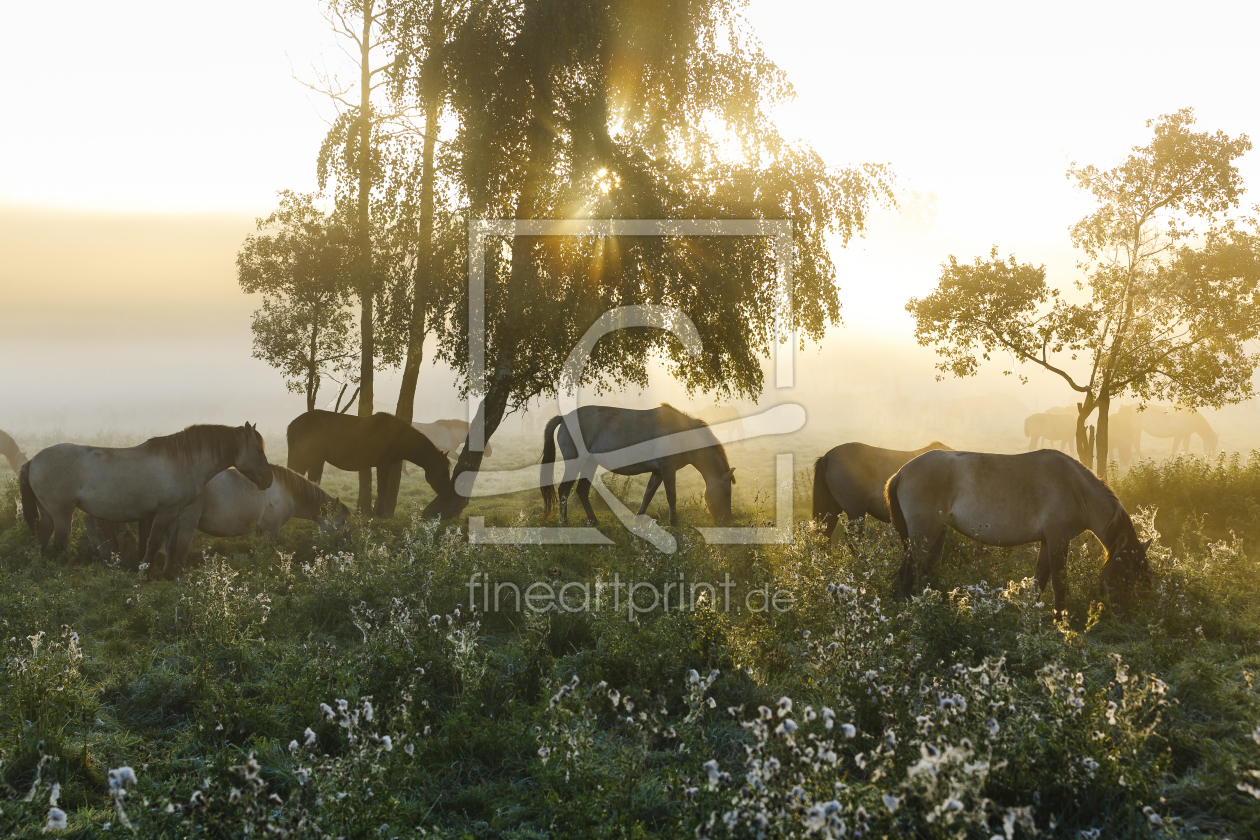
[[142, 138]]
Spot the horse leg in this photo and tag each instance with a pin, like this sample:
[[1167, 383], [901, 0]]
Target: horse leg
[[45, 528], [315, 472], [60, 522], [671, 496], [158, 525], [924, 542], [1043, 568], [654, 481], [1056, 559], [584, 496], [562, 493]]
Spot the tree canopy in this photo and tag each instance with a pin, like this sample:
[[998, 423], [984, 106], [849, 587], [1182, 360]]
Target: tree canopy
[[1172, 282]]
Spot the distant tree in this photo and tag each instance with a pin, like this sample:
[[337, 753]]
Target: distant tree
[[1171, 306], [634, 110], [300, 262], [359, 147]]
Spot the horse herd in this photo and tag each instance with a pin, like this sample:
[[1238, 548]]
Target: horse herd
[[217, 479]]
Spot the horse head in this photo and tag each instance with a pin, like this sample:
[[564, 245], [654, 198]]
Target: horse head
[[251, 458], [717, 496], [1126, 568], [332, 516]]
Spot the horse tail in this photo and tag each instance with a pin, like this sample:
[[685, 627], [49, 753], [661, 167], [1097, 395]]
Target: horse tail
[[30, 504], [548, 474], [826, 509], [894, 507]]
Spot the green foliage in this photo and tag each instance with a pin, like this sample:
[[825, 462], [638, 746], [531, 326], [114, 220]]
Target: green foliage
[[325, 692]]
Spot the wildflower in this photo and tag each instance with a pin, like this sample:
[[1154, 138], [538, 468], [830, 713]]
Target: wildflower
[[54, 794], [197, 800], [615, 696], [891, 802], [120, 777], [544, 753], [410, 749], [1111, 714], [326, 711], [829, 717], [889, 640], [953, 804], [809, 713], [693, 676], [56, 820], [310, 736], [848, 729], [388, 743], [787, 728], [293, 745], [367, 709], [1090, 764], [711, 768], [993, 727], [890, 739], [1255, 734], [235, 795], [1155, 819], [303, 774], [785, 706]]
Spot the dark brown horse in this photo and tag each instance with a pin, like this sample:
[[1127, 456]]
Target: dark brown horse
[[9, 449], [1043, 496], [851, 478], [607, 429], [357, 443]]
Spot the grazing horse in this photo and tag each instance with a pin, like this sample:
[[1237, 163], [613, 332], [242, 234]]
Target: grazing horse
[[9, 449], [448, 436], [230, 506], [606, 429], [1010, 500], [1052, 427], [1179, 425], [358, 443], [151, 483], [851, 478]]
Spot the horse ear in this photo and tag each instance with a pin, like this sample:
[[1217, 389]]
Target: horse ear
[[1147, 544], [731, 474]]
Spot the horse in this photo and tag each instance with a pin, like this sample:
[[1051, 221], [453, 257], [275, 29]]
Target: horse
[[151, 483], [357, 443], [1179, 425], [1042, 496], [606, 429], [9, 449], [851, 478], [1051, 426], [448, 436], [1123, 434], [716, 415], [230, 506]]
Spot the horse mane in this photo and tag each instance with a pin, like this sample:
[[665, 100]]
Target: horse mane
[[698, 423], [1120, 527], [309, 496], [220, 441]]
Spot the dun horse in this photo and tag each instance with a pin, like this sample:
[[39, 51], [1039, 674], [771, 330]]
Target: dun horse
[[9, 449], [357, 443], [150, 483], [606, 429], [230, 506], [851, 478], [448, 436], [1010, 500], [1053, 428], [1177, 424]]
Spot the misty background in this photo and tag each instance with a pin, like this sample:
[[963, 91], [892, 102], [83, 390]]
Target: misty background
[[167, 131]]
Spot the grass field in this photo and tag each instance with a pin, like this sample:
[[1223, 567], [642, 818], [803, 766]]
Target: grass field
[[314, 688]]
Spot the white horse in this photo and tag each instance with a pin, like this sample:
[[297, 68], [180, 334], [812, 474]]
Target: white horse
[[151, 483], [231, 505]]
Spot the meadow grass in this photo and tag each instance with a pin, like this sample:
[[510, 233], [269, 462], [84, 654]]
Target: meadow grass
[[319, 688]]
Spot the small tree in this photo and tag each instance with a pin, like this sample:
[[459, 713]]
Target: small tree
[[300, 263], [1171, 307]]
